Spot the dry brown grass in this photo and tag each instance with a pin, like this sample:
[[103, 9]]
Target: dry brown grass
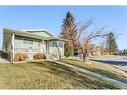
[[47, 75], [98, 67]]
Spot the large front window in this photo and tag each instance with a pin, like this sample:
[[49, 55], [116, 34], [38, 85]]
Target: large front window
[[27, 41]]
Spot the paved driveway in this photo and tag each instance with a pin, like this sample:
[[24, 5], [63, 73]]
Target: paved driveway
[[118, 62]]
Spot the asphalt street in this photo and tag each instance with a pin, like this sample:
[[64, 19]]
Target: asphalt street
[[119, 62]]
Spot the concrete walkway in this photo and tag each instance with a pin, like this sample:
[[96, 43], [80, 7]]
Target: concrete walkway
[[112, 81], [3, 61]]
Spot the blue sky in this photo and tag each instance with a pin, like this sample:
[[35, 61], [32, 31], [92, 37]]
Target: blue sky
[[51, 18]]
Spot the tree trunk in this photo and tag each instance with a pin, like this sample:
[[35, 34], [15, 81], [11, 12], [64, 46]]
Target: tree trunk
[[84, 56]]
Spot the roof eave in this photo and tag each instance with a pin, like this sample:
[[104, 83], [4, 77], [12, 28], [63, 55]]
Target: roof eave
[[25, 34], [56, 38]]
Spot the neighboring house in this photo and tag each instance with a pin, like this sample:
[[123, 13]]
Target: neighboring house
[[97, 50], [94, 49], [32, 42]]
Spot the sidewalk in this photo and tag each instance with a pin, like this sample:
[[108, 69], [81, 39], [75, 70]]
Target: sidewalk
[[112, 81], [3, 61]]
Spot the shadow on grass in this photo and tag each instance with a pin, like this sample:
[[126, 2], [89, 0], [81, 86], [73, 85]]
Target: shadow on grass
[[99, 71], [79, 79]]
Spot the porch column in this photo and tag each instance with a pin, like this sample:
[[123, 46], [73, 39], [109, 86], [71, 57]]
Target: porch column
[[41, 46], [12, 47], [47, 49]]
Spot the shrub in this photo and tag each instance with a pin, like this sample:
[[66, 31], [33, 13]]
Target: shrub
[[20, 57], [38, 56]]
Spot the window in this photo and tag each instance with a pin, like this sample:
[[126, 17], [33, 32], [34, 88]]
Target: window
[[60, 44], [27, 41], [54, 44]]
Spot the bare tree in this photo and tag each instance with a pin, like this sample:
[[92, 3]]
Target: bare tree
[[85, 37], [103, 47]]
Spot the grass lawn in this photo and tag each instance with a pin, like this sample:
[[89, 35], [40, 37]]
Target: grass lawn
[[104, 56], [103, 69], [47, 75]]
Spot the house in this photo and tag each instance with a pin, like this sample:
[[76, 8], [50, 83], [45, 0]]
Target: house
[[31, 42], [97, 50], [93, 49]]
